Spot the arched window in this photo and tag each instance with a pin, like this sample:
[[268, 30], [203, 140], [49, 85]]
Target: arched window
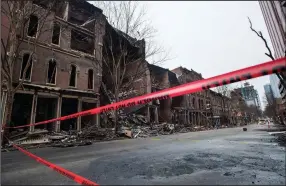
[[72, 76], [26, 68], [52, 71], [90, 79], [33, 26]]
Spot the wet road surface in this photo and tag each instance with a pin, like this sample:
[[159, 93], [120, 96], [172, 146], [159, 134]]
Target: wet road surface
[[224, 156]]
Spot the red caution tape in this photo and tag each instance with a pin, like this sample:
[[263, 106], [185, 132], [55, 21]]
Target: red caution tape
[[75, 177], [188, 88]]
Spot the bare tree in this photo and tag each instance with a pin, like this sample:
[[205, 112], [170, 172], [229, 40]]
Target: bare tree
[[22, 18], [130, 17], [128, 42], [224, 90], [269, 54]]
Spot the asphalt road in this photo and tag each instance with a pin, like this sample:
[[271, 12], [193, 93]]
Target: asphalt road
[[224, 156]]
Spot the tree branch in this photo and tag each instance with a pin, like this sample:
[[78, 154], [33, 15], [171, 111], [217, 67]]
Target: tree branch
[[259, 34]]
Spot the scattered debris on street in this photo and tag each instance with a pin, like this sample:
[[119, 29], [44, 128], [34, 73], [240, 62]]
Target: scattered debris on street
[[132, 126]]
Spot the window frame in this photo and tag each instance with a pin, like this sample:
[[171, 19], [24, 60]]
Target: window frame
[[76, 72], [92, 78], [60, 35], [36, 36], [47, 75], [22, 58]]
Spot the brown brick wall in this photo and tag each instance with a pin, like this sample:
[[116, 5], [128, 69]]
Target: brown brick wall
[[44, 51]]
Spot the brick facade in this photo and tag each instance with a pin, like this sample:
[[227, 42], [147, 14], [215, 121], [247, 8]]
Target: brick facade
[[86, 63], [80, 59]]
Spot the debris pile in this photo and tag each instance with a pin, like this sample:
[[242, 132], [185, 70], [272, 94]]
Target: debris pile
[[22, 137], [147, 131], [130, 120], [93, 132], [44, 137]]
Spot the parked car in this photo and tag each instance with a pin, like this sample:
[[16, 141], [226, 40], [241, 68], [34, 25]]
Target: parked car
[[262, 122]]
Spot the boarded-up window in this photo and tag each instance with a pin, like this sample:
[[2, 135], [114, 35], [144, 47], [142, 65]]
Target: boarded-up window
[[72, 76], [90, 79], [33, 26], [26, 68], [56, 34], [52, 70]]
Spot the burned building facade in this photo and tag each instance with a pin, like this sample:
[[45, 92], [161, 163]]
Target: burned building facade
[[197, 109], [161, 110], [196, 105], [81, 62], [62, 76]]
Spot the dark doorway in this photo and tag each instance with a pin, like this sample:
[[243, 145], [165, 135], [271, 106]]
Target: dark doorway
[[46, 109], [69, 106], [90, 119], [21, 111]]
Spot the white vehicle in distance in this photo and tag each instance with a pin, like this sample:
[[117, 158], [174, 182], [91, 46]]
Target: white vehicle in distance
[[262, 121]]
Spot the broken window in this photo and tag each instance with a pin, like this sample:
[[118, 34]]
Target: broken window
[[78, 14], [33, 26], [52, 70], [26, 68], [72, 76], [56, 34], [82, 42], [90, 79]]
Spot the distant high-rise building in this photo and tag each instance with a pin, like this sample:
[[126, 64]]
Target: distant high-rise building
[[250, 95], [274, 13], [274, 82], [269, 93]]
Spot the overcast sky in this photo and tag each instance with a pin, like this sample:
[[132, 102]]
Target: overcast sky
[[211, 37]]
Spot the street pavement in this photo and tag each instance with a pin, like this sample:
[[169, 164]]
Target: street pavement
[[224, 156]]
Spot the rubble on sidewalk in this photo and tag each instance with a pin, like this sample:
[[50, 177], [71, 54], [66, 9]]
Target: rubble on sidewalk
[[44, 137], [124, 120], [132, 126]]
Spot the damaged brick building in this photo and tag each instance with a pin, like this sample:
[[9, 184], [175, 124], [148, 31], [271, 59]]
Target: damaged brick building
[[62, 77], [68, 74], [202, 108]]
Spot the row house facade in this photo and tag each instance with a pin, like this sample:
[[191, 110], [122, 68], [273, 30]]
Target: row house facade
[[62, 76], [196, 104], [196, 109], [68, 73]]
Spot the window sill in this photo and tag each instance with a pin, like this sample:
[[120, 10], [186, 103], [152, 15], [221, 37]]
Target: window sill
[[82, 53], [55, 45], [25, 81], [72, 87], [51, 84], [31, 37]]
